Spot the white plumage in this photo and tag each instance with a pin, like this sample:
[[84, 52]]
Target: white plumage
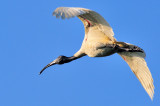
[[69, 12], [99, 42], [139, 67]]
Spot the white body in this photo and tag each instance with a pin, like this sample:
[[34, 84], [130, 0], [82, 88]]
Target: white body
[[98, 37], [95, 46]]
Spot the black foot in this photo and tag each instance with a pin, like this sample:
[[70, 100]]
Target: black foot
[[130, 49]]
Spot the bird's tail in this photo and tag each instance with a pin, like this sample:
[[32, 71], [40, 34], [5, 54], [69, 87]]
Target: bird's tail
[[134, 56]]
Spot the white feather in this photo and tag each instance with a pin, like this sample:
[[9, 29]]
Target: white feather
[[95, 18], [136, 62]]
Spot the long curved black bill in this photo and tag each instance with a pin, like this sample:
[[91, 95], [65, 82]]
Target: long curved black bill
[[50, 64]]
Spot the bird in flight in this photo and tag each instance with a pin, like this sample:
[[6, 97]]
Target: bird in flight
[[99, 41]]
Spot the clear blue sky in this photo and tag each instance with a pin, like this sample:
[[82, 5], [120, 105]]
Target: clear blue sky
[[30, 38]]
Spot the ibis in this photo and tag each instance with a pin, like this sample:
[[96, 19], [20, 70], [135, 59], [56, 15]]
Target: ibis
[[99, 41]]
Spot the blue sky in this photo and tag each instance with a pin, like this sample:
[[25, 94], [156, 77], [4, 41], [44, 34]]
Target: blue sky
[[30, 38]]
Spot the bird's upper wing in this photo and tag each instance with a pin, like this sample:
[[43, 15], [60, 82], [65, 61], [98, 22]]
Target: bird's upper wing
[[93, 17], [136, 62]]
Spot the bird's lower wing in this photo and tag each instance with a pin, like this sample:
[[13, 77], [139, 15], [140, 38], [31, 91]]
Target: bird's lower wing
[[137, 63]]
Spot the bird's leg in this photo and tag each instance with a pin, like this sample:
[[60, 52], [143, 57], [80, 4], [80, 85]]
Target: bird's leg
[[124, 47], [60, 60]]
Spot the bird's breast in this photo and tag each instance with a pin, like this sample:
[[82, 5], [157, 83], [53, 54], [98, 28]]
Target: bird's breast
[[98, 50], [95, 44]]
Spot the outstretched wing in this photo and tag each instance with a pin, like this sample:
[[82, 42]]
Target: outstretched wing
[[85, 14], [136, 62]]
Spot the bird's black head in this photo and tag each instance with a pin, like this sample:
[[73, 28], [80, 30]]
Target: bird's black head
[[60, 60]]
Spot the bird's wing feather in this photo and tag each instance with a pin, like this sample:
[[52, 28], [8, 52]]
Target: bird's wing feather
[[69, 12], [82, 13], [136, 62]]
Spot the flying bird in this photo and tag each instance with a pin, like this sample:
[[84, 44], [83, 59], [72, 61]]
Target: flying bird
[[99, 41]]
